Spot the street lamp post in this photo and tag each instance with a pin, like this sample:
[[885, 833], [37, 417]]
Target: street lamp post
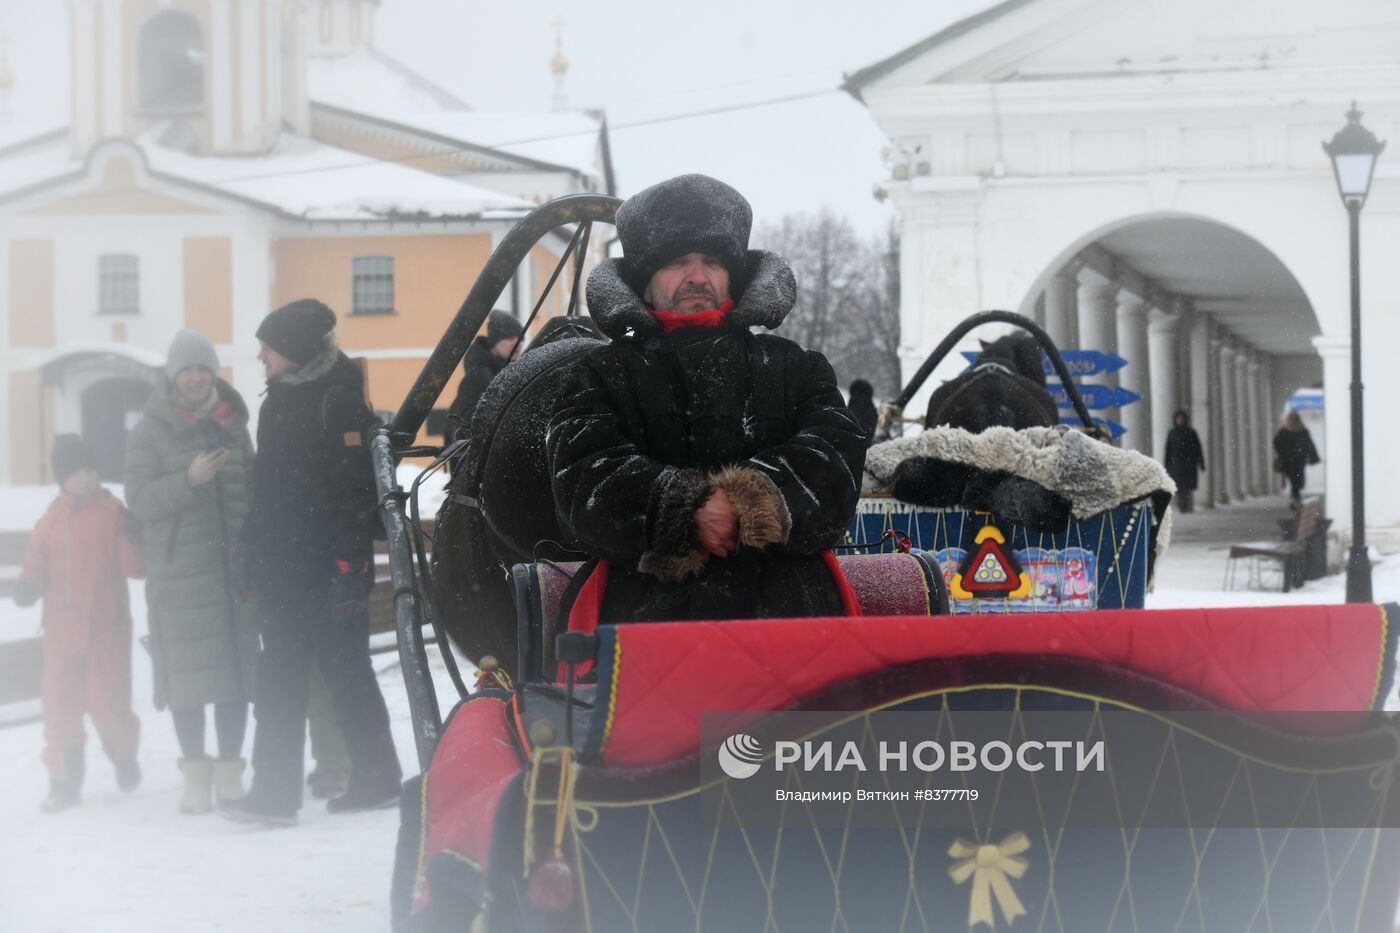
[[1354, 151]]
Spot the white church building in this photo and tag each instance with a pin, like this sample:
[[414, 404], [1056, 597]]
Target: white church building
[[1147, 177]]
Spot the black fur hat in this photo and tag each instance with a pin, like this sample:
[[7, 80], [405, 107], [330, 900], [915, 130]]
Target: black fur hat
[[70, 454], [297, 330], [686, 214]]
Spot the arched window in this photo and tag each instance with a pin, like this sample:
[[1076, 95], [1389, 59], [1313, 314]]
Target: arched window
[[170, 64]]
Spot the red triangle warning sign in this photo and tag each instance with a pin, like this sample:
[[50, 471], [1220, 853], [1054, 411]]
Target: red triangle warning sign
[[990, 570]]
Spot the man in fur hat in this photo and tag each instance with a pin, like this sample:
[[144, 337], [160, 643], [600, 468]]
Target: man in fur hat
[[309, 536], [706, 466]]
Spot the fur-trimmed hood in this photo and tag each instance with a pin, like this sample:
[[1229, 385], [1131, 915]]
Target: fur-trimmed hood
[[769, 292]]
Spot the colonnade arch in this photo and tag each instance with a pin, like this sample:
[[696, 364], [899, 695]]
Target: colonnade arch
[[1211, 322]]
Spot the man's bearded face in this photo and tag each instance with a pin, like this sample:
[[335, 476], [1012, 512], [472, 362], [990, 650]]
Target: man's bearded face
[[689, 283]]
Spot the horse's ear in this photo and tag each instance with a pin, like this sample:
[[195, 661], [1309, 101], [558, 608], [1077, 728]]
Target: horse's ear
[[984, 343]]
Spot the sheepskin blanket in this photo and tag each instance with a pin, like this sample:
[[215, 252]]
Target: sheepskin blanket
[[1038, 477]]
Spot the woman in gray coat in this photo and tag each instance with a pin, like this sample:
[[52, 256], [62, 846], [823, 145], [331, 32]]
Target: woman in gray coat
[[189, 464]]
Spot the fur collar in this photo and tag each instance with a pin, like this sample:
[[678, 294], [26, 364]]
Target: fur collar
[[766, 299], [316, 367]]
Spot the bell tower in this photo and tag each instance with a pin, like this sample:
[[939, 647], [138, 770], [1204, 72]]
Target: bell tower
[[214, 77], [339, 27]]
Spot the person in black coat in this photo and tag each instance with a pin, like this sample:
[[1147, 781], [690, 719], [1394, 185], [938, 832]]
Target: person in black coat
[[862, 405], [708, 466], [1184, 459], [309, 535], [487, 356], [1294, 453]]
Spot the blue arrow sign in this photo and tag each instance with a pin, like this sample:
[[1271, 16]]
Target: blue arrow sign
[[1115, 430], [1095, 396], [1079, 362]]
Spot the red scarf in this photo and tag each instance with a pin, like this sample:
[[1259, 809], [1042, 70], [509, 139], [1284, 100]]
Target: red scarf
[[675, 320]]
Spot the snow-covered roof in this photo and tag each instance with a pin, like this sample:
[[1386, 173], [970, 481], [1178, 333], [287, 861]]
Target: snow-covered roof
[[304, 178], [299, 177], [26, 165], [367, 79], [569, 138]]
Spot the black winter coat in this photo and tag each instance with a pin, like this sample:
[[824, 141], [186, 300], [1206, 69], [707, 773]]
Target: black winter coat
[[863, 407], [1295, 450], [1184, 458], [313, 486], [480, 366], [652, 423]]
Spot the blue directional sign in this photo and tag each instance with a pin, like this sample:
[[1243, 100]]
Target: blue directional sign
[[1115, 430], [1080, 363], [1095, 396]]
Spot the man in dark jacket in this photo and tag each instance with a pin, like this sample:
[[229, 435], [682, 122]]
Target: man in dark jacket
[[709, 467], [862, 405], [309, 537], [487, 356], [1184, 459]]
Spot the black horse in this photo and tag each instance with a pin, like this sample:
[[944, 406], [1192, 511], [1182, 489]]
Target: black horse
[[1006, 387]]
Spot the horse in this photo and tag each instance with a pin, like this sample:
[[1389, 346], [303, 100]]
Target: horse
[[1005, 386]]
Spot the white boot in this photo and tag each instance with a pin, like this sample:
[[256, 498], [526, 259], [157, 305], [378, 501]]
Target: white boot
[[228, 779], [199, 776]]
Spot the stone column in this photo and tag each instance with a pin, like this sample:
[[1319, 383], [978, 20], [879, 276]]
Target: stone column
[[1060, 310], [1098, 323], [1336, 446], [1242, 420], [1163, 327], [1202, 399], [1229, 426], [1132, 346], [1251, 376], [1215, 453], [1268, 423]]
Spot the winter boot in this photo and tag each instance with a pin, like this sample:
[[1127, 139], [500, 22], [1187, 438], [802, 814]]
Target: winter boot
[[326, 783], [66, 792], [199, 775], [365, 795], [228, 779], [253, 809], [128, 774]]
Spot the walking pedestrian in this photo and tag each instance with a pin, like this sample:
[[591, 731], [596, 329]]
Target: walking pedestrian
[[1294, 452], [309, 539], [189, 476], [1184, 460], [77, 560]]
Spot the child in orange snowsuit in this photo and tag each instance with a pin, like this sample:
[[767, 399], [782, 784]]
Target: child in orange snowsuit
[[77, 560]]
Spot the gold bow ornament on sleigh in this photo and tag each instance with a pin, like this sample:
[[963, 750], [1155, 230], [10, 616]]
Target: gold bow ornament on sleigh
[[988, 866]]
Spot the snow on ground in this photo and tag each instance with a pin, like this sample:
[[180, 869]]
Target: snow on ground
[[118, 864]]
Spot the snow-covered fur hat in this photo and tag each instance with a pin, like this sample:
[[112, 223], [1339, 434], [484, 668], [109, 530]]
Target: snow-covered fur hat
[[190, 348], [685, 214]]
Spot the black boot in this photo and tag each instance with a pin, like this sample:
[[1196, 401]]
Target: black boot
[[128, 774], [368, 794], [66, 792], [255, 809]]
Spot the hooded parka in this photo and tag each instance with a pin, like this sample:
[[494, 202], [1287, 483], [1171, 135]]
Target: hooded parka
[[203, 626], [651, 424]]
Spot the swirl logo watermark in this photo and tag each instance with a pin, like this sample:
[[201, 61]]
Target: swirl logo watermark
[[740, 756]]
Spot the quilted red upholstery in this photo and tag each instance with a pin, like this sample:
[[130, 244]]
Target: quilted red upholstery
[[473, 765], [1306, 658]]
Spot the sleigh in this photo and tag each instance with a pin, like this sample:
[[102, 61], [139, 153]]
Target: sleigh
[[622, 777]]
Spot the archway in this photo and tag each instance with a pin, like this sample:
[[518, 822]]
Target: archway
[[1208, 320], [99, 394]]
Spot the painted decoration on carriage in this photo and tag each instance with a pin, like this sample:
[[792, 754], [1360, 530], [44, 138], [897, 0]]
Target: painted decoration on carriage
[[993, 567]]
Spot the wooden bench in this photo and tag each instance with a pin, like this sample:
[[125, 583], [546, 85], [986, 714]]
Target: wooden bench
[[1288, 554]]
